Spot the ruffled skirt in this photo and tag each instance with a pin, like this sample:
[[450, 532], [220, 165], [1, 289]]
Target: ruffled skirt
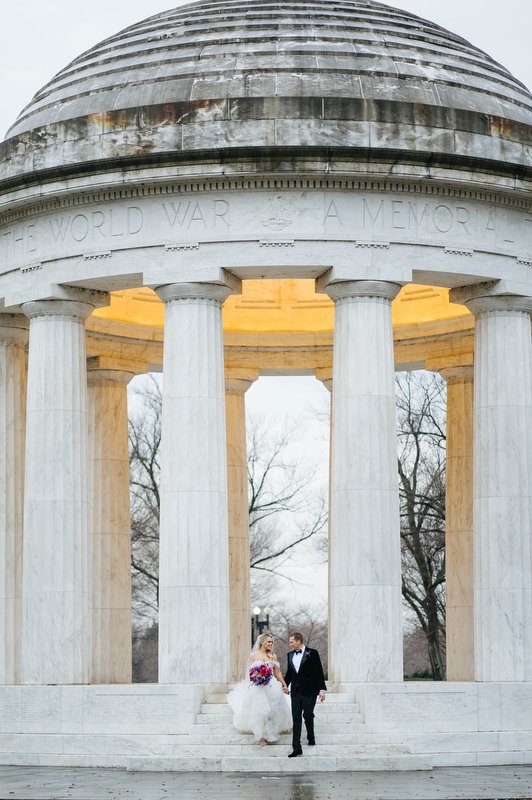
[[263, 711]]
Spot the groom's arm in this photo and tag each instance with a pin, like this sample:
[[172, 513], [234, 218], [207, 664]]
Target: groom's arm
[[320, 677], [288, 676]]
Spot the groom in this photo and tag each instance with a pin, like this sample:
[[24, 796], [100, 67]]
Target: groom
[[306, 681]]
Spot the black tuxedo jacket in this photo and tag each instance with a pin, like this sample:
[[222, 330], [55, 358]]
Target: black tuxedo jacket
[[310, 678]]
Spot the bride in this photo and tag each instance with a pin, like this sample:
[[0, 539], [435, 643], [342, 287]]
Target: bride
[[258, 702]]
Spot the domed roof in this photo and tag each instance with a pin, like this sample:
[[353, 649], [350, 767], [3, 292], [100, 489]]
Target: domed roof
[[355, 48], [236, 73]]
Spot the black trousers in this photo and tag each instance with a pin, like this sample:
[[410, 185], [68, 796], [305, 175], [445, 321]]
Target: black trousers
[[302, 705]]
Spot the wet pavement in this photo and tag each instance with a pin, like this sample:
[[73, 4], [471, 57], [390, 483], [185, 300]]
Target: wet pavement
[[51, 783]]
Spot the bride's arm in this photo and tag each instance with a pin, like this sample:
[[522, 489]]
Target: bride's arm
[[279, 675]]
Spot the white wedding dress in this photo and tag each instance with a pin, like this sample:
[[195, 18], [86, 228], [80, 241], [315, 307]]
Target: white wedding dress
[[264, 710]]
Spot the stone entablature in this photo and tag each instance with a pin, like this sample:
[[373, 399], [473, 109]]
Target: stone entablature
[[429, 237]]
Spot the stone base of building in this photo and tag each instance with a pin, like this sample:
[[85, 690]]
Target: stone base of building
[[403, 726]]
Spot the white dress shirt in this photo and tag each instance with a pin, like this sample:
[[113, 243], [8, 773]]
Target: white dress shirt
[[297, 658]]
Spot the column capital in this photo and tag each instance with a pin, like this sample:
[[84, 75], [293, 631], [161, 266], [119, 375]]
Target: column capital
[[217, 292], [345, 290], [460, 374], [101, 369], [14, 329], [238, 381], [325, 375], [55, 293], [484, 298], [108, 377], [449, 362], [65, 301], [57, 308]]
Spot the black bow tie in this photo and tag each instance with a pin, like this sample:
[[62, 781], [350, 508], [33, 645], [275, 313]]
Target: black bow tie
[[298, 652]]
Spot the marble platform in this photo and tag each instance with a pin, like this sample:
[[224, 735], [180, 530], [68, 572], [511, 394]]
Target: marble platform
[[363, 727]]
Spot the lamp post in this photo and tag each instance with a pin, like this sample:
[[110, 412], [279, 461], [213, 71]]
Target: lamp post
[[259, 625]]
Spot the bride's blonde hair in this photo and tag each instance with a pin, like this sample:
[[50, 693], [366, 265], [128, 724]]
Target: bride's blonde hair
[[261, 639]]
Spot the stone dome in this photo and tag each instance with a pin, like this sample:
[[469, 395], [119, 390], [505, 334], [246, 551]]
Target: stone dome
[[236, 74]]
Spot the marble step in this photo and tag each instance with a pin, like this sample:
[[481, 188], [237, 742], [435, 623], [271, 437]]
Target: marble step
[[338, 713], [232, 737], [327, 764], [332, 697], [218, 709], [206, 727], [338, 719], [187, 749], [321, 708], [229, 764], [265, 765], [279, 750]]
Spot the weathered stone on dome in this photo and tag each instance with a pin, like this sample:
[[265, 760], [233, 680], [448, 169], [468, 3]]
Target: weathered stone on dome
[[234, 75]]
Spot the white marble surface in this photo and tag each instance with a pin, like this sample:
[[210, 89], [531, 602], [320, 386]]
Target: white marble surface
[[176, 232], [56, 629], [236, 385], [13, 338], [502, 486], [404, 725], [194, 564], [365, 570], [110, 525]]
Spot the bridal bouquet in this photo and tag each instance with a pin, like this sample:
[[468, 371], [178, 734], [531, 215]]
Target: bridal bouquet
[[260, 676]]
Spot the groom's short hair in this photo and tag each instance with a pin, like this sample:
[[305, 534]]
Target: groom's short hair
[[298, 636]]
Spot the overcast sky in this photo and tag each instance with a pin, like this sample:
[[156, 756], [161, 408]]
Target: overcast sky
[[40, 37]]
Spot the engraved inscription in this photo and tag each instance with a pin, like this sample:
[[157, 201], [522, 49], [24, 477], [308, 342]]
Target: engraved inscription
[[410, 215], [96, 225], [331, 213], [196, 214], [416, 217], [19, 241], [185, 219]]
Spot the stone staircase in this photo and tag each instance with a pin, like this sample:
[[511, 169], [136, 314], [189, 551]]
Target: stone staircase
[[157, 728], [343, 744]]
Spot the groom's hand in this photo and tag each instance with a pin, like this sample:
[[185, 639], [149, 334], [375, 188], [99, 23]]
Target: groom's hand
[[286, 690], [322, 696]]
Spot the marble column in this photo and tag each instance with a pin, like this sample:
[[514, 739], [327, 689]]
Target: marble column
[[56, 613], [325, 375], [13, 339], [365, 561], [110, 524], [459, 525], [237, 382], [502, 485], [194, 565]]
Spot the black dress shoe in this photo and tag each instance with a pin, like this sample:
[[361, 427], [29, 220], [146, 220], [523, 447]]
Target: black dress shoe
[[295, 753], [311, 742]]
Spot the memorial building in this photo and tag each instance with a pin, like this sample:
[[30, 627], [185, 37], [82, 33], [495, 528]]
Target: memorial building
[[225, 190]]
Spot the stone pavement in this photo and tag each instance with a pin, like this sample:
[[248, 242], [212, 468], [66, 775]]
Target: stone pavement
[[51, 783]]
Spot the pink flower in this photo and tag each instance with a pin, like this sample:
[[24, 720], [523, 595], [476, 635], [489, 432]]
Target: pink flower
[[260, 675]]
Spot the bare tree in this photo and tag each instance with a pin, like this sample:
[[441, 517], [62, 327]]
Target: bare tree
[[286, 507], [311, 621], [144, 462], [421, 463], [282, 494]]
